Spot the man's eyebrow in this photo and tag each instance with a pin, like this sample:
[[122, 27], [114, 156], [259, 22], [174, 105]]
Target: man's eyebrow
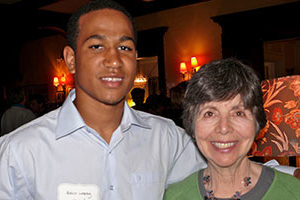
[[100, 37], [125, 38]]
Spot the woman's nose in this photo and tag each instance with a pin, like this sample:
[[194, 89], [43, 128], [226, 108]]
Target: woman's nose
[[224, 125]]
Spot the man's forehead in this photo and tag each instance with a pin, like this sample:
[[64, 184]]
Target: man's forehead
[[106, 19], [105, 14]]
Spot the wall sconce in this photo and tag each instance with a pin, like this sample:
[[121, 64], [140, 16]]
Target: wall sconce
[[55, 81], [194, 63], [60, 85], [183, 69], [59, 81], [194, 67]]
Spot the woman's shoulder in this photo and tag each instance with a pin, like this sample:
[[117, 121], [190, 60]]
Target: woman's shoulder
[[286, 179], [284, 185], [186, 189]]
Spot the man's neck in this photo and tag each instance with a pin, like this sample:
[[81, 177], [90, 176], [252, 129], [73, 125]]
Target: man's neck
[[103, 118]]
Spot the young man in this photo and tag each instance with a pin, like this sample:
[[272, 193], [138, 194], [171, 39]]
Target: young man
[[94, 146]]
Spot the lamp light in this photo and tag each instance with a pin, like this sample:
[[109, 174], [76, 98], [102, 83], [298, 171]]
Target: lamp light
[[194, 62], [55, 81], [140, 78], [63, 80], [60, 84], [191, 69], [183, 69]]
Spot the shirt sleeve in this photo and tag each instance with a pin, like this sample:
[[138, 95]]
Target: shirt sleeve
[[282, 168], [187, 158], [12, 183], [6, 188]]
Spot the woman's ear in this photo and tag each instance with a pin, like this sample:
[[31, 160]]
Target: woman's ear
[[69, 57]]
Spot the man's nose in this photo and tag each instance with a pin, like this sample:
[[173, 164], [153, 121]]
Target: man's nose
[[112, 58]]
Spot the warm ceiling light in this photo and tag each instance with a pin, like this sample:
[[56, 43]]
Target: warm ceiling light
[[140, 78]]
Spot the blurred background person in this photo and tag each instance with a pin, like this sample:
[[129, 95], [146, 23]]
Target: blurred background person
[[138, 96], [17, 114], [157, 104], [37, 104], [175, 109], [224, 115]]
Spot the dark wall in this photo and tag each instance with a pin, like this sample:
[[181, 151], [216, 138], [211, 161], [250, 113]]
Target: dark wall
[[244, 33], [19, 23], [151, 43]]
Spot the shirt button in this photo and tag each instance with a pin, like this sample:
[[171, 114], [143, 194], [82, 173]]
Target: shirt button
[[88, 130], [111, 187]]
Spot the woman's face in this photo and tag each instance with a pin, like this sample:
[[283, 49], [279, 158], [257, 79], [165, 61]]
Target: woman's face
[[224, 131]]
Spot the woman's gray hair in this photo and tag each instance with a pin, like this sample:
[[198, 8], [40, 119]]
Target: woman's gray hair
[[222, 80]]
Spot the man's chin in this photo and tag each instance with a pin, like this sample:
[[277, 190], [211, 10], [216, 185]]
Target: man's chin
[[114, 102]]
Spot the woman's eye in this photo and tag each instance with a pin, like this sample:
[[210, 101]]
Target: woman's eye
[[208, 114], [125, 48], [240, 114]]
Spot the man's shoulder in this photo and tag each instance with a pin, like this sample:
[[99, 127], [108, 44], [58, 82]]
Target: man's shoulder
[[151, 118], [33, 130], [159, 125]]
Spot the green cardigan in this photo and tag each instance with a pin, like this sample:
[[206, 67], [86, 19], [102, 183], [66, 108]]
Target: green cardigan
[[284, 186]]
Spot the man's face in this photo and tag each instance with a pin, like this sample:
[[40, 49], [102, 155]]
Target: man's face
[[35, 106], [105, 59]]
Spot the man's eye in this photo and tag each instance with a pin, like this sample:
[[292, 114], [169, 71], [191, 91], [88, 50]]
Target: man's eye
[[96, 46], [125, 48]]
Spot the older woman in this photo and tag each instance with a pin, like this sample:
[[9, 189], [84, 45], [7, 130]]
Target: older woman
[[223, 112]]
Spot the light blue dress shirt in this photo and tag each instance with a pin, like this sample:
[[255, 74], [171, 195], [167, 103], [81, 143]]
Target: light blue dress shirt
[[57, 156]]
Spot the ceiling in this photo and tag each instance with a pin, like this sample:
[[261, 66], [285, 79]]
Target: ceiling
[[32, 16], [135, 7]]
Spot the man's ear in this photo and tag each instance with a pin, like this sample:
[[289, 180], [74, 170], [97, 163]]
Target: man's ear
[[69, 56]]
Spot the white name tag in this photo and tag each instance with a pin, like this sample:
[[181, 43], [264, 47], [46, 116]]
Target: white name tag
[[66, 191]]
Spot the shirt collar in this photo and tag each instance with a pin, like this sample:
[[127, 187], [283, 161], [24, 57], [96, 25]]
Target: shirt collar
[[69, 119], [131, 117], [19, 105]]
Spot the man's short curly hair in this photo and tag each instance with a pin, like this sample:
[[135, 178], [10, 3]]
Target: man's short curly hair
[[222, 80], [93, 5]]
